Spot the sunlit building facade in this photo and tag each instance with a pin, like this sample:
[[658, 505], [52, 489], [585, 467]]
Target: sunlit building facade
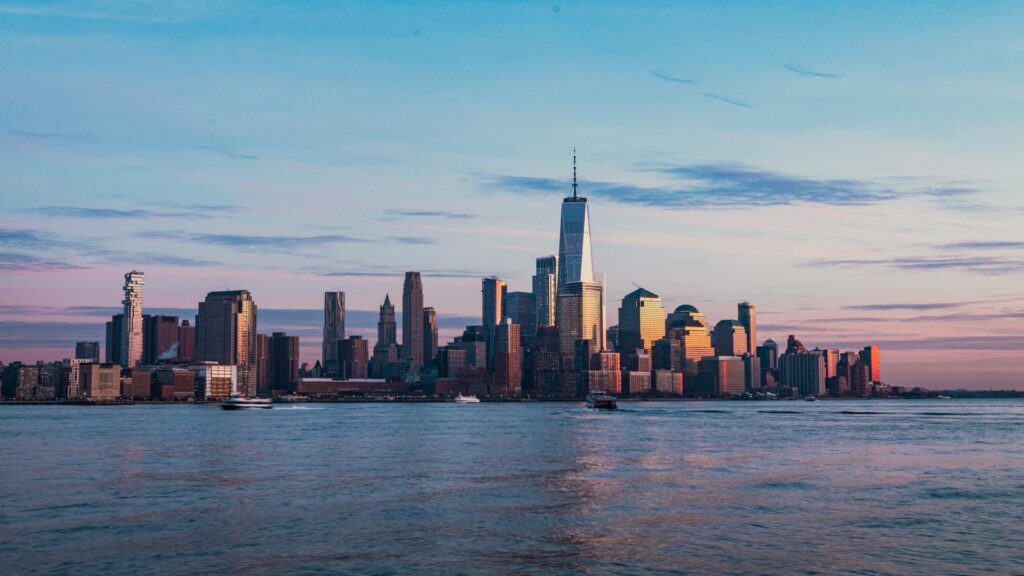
[[580, 315], [641, 321], [226, 334], [492, 299], [747, 315], [729, 338], [545, 289], [131, 330]]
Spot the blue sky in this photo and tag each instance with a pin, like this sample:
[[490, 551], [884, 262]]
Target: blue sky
[[851, 168]]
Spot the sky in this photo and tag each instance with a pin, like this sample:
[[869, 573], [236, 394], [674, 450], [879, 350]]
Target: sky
[[852, 169]]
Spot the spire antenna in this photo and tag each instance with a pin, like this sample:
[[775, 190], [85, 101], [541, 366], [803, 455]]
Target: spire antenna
[[574, 195]]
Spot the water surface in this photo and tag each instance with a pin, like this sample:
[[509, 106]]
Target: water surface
[[859, 487]]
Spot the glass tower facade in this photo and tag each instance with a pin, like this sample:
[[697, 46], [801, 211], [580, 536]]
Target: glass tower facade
[[131, 332]]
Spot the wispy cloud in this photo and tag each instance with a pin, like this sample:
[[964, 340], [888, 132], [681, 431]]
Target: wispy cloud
[[726, 99], [811, 73], [227, 152], [376, 272], [395, 214], [412, 240], [669, 78], [910, 306], [713, 186], [252, 242], [30, 263], [69, 137], [185, 211], [983, 245], [976, 264]]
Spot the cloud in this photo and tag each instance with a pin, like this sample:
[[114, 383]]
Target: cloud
[[80, 138], [811, 73], [975, 264], [394, 214], [726, 99], [412, 240], [252, 242], [29, 263], [186, 211], [227, 152], [391, 272], [910, 306], [669, 78], [714, 185], [947, 343], [983, 245]]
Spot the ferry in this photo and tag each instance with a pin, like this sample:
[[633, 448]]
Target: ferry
[[460, 399], [243, 403], [811, 398], [601, 400]]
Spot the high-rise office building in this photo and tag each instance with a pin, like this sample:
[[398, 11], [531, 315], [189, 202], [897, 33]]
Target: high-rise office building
[[429, 334], [575, 262], [186, 341], [159, 338], [729, 338], [334, 327], [768, 353], [226, 334], [87, 351], [748, 318], [353, 358], [385, 351], [283, 362], [686, 341], [641, 321], [387, 328], [545, 289], [802, 371], [115, 329], [492, 292], [506, 370], [262, 365], [521, 308], [869, 356], [720, 376], [131, 331], [412, 321], [580, 315]]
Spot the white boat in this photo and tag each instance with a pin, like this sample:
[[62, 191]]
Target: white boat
[[243, 403], [460, 399], [601, 400], [811, 398]]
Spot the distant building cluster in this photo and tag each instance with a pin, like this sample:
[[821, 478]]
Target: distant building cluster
[[551, 342]]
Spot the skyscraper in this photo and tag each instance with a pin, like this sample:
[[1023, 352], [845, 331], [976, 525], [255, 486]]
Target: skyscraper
[[160, 338], [87, 351], [334, 327], [869, 356], [186, 341], [506, 380], [115, 327], [580, 315], [545, 289], [226, 334], [131, 331], [412, 321], [493, 292], [429, 334], [729, 338], [575, 262], [387, 328], [521, 308], [283, 362], [747, 315], [353, 358], [687, 340], [641, 321]]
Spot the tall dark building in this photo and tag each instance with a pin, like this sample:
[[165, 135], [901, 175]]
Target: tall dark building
[[283, 362], [506, 380], [385, 351], [114, 332], [521, 308], [545, 283], [87, 351], [353, 358], [747, 315], [226, 334], [334, 327], [159, 338], [429, 334], [412, 321], [186, 341], [493, 290], [261, 363]]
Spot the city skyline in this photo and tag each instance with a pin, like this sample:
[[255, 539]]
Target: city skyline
[[810, 179]]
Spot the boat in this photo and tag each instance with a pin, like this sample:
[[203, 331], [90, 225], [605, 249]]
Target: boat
[[290, 398], [601, 400], [244, 403], [811, 398], [460, 399]]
